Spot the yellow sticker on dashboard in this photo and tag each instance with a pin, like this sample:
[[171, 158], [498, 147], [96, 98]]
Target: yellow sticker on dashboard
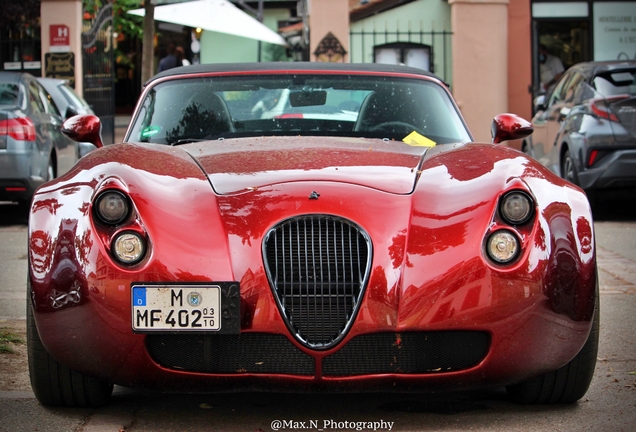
[[416, 139]]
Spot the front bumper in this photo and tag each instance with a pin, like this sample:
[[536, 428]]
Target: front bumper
[[97, 340], [16, 180]]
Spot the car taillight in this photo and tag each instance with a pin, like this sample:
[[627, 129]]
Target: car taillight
[[601, 107], [21, 129], [596, 155], [592, 158]]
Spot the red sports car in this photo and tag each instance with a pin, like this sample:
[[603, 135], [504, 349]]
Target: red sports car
[[356, 240]]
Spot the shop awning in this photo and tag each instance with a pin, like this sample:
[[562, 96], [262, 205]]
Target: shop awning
[[215, 15]]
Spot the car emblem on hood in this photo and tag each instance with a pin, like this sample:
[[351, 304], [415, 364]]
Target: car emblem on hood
[[314, 195]]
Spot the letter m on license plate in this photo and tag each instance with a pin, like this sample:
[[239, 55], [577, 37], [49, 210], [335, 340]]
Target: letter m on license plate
[[172, 308]]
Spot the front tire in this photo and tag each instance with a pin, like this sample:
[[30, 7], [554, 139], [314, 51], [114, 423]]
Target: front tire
[[55, 384], [50, 170], [568, 383], [568, 169]]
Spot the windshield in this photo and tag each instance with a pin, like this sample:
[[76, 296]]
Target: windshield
[[616, 83], [8, 94], [192, 109], [73, 99]]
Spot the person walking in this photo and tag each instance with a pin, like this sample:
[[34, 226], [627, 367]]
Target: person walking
[[180, 53], [169, 61]]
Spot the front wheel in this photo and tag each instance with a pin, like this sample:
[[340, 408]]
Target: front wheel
[[568, 383], [568, 169], [50, 170], [55, 384]]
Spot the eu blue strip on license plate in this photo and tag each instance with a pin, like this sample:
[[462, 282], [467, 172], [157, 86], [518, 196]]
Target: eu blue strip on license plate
[[176, 307]]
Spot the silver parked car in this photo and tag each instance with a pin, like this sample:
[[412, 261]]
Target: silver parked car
[[69, 104], [585, 129], [32, 147], [67, 101]]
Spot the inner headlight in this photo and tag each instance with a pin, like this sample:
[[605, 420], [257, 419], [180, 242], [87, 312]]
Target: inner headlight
[[502, 246], [112, 207], [516, 208], [129, 247]]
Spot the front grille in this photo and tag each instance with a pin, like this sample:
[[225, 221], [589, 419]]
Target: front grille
[[318, 267], [408, 353], [230, 354]]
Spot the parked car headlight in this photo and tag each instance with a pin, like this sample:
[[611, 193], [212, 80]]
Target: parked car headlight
[[502, 246], [112, 207], [516, 207], [129, 247]]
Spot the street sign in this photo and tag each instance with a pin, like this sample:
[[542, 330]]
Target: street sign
[[59, 38], [60, 65]]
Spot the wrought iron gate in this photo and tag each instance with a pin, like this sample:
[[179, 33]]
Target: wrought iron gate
[[98, 62], [438, 43]]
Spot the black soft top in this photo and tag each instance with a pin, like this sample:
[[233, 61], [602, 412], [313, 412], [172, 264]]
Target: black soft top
[[291, 66]]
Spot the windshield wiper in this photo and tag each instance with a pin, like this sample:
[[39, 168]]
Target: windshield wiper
[[186, 141]]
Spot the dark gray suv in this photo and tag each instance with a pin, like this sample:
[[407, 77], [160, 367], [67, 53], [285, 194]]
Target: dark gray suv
[[585, 129]]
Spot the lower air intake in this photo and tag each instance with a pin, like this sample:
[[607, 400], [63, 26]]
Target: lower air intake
[[230, 354], [408, 353]]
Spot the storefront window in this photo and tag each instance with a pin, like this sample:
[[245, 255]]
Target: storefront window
[[20, 44], [614, 31]]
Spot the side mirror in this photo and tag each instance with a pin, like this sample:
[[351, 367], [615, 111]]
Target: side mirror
[[539, 103], [507, 127], [84, 128], [565, 111]]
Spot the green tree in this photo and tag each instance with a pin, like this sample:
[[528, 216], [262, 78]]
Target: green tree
[[123, 23], [131, 26], [134, 27]]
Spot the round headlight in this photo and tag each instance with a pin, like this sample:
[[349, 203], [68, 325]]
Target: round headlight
[[516, 208], [112, 207], [502, 247], [129, 247]]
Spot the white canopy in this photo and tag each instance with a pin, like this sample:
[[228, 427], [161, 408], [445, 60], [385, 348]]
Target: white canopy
[[215, 15]]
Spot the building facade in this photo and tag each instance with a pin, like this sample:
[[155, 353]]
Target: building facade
[[487, 51]]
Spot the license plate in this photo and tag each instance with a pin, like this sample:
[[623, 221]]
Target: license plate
[[182, 308]]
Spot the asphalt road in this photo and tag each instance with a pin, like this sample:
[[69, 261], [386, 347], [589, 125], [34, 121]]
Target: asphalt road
[[609, 405]]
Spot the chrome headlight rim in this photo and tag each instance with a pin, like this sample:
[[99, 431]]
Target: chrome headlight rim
[[101, 212], [503, 247], [507, 215], [128, 247]]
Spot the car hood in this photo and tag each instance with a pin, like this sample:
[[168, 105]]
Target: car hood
[[237, 165]]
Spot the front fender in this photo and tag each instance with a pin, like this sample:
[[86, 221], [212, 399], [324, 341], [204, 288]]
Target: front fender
[[72, 272]]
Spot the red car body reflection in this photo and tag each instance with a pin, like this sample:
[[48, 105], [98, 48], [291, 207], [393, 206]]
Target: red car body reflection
[[435, 313]]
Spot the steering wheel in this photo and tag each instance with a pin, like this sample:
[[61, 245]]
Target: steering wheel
[[390, 126]]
